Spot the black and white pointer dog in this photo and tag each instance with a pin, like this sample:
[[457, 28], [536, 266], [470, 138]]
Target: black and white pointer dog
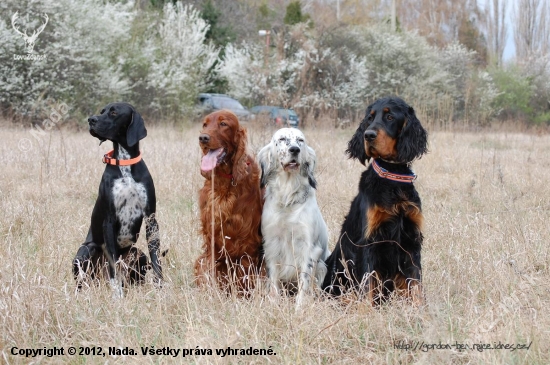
[[126, 197]]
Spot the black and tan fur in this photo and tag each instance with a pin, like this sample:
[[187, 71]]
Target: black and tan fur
[[378, 251]]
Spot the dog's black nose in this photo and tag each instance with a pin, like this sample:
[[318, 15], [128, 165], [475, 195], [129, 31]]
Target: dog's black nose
[[370, 135], [294, 150], [204, 138], [92, 120]]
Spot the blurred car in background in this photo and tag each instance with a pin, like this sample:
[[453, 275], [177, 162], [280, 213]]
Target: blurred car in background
[[278, 116], [208, 103]]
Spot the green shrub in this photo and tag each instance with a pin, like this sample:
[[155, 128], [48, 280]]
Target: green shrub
[[515, 93]]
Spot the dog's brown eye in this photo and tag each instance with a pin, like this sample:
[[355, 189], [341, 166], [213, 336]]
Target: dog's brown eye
[[113, 113], [223, 124], [390, 117]]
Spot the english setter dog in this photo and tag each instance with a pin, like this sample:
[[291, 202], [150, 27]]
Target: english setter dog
[[294, 232]]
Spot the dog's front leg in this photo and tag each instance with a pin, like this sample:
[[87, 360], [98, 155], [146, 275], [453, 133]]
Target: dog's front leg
[[153, 243], [303, 287], [414, 280], [109, 248], [273, 272], [306, 275], [85, 262]]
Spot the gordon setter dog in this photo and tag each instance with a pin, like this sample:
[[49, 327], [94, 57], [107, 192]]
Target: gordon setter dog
[[379, 246]]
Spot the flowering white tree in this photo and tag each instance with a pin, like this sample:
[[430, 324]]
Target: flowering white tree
[[160, 63], [472, 91], [92, 59], [179, 58], [80, 66], [243, 68], [348, 72], [351, 92]]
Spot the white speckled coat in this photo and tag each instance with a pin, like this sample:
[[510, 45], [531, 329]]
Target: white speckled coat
[[294, 232]]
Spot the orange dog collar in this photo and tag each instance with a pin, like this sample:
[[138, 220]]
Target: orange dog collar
[[109, 160]]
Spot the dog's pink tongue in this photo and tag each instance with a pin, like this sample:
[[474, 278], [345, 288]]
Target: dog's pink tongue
[[210, 160]]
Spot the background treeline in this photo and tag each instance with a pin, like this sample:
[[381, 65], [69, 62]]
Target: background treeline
[[326, 59]]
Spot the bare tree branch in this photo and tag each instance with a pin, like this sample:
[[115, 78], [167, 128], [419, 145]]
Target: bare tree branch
[[497, 30], [532, 28]]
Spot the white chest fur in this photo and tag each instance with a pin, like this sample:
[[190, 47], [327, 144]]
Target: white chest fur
[[130, 199]]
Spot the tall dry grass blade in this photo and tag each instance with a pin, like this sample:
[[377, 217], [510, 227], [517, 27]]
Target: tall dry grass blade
[[213, 238]]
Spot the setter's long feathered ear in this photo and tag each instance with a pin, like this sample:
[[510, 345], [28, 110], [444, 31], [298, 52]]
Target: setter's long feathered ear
[[268, 163], [356, 145], [412, 142], [240, 162], [308, 168]]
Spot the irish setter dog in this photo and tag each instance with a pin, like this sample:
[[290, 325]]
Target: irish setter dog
[[231, 206]]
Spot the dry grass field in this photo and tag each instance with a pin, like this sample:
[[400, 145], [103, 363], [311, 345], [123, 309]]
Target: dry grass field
[[486, 260]]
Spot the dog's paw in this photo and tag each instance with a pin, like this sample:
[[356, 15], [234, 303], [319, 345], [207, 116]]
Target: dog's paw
[[158, 283]]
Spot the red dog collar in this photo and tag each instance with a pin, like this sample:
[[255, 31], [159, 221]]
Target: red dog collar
[[229, 176], [223, 174], [385, 174], [109, 160]]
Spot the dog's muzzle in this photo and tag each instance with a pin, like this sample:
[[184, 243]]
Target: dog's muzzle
[[294, 151], [204, 138], [370, 135]]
